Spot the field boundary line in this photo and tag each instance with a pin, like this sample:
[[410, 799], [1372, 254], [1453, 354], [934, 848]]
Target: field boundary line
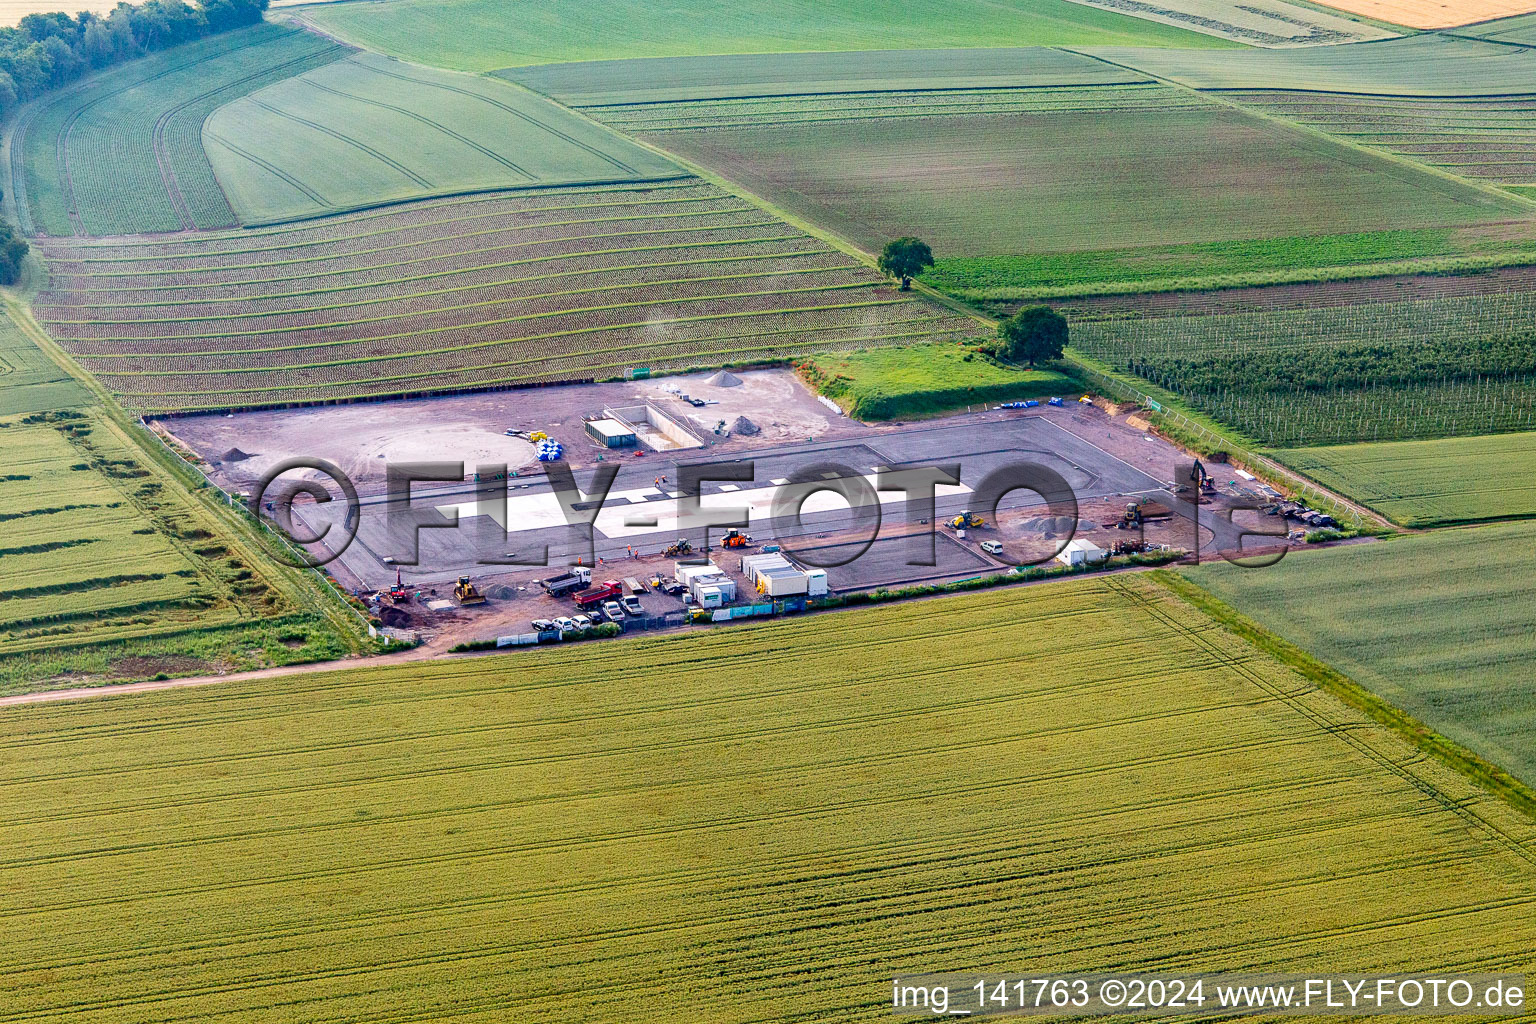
[[1307, 131], [1488, 776]]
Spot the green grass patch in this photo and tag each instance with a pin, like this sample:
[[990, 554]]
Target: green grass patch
[[1439, 624], [1430, 483], [925, 380], [1017, 277], [478, 35], [388, 824]]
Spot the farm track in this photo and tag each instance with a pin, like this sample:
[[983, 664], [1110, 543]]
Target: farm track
[[493, 291]]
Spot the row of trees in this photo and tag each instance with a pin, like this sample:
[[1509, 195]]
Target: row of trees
[[46, 51]]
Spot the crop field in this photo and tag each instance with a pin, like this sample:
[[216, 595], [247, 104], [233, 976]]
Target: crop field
[[121, 152], [1429, 64], [96, 544], [1220, 265], [1378, 371], [1268, 23], [369, 130], [774, 834], [924, 380], [465, 293], [1520, 29], [477, 35], [1440, 624], [30, 381], [771, 76], [1434, 13], [1488, 138], [1430, 483], [1169, 170]]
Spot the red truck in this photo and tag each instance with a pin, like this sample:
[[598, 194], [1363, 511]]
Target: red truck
[[605, 591]]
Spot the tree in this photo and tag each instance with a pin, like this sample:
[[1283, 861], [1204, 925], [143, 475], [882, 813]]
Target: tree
[[1033, 334], [905, 258]]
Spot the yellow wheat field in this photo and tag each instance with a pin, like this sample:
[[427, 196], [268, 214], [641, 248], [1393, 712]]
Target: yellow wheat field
[[751, 823]]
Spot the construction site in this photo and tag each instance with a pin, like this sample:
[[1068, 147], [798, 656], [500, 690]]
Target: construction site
[[646, 555]]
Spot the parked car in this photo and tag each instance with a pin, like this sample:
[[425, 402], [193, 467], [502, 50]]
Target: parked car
[[992, 547], [613, 610], [542, 624], [582, 622], [565, 624], [632, 605]]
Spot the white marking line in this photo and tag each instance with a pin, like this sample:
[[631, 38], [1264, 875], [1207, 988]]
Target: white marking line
[[615, 521]]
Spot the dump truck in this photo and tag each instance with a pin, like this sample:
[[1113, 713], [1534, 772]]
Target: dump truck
[[576, 578], [594, 596], [466, 593]]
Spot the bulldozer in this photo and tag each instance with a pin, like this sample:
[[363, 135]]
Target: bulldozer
[[735, 539], [466, 593], [682, 546], [1132, 517], [967, 520]]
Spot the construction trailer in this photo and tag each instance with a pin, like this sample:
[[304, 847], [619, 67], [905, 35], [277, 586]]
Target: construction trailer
[[1081, 552], [776, 576], [611, 434], [708, 583]]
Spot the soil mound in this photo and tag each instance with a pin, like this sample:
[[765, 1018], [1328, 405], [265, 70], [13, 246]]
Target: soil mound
[[745, 427]]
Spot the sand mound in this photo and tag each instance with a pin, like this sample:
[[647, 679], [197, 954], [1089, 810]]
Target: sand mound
[[745, 427], [724, 379], [501, 592], [234, 455]]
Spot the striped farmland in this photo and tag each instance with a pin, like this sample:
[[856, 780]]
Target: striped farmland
[[491, 290], [802, 810]]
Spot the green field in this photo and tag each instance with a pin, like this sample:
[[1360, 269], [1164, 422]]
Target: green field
[[1427, 64], [803, 810], [1383, 371], [1489, 138], [480, 35], [121, 152], [786, 75], [1440, 624], [112, 572], [29, 380], [1428, 483], [1169, 170], [925, 380], [1519, 29], [370, 130], [1305, 258]]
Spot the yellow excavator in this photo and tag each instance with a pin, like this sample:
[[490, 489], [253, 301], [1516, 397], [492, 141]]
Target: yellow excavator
[[466, 592]]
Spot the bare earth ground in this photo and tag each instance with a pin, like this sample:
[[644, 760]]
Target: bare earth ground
[[470, 427], [1434, 13], [362, 438]]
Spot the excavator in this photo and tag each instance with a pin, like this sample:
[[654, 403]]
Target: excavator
[[466, 593], [735, 539], [399, 593]]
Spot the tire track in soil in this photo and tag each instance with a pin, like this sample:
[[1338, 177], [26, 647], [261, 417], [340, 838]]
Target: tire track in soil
[[344, 139]]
